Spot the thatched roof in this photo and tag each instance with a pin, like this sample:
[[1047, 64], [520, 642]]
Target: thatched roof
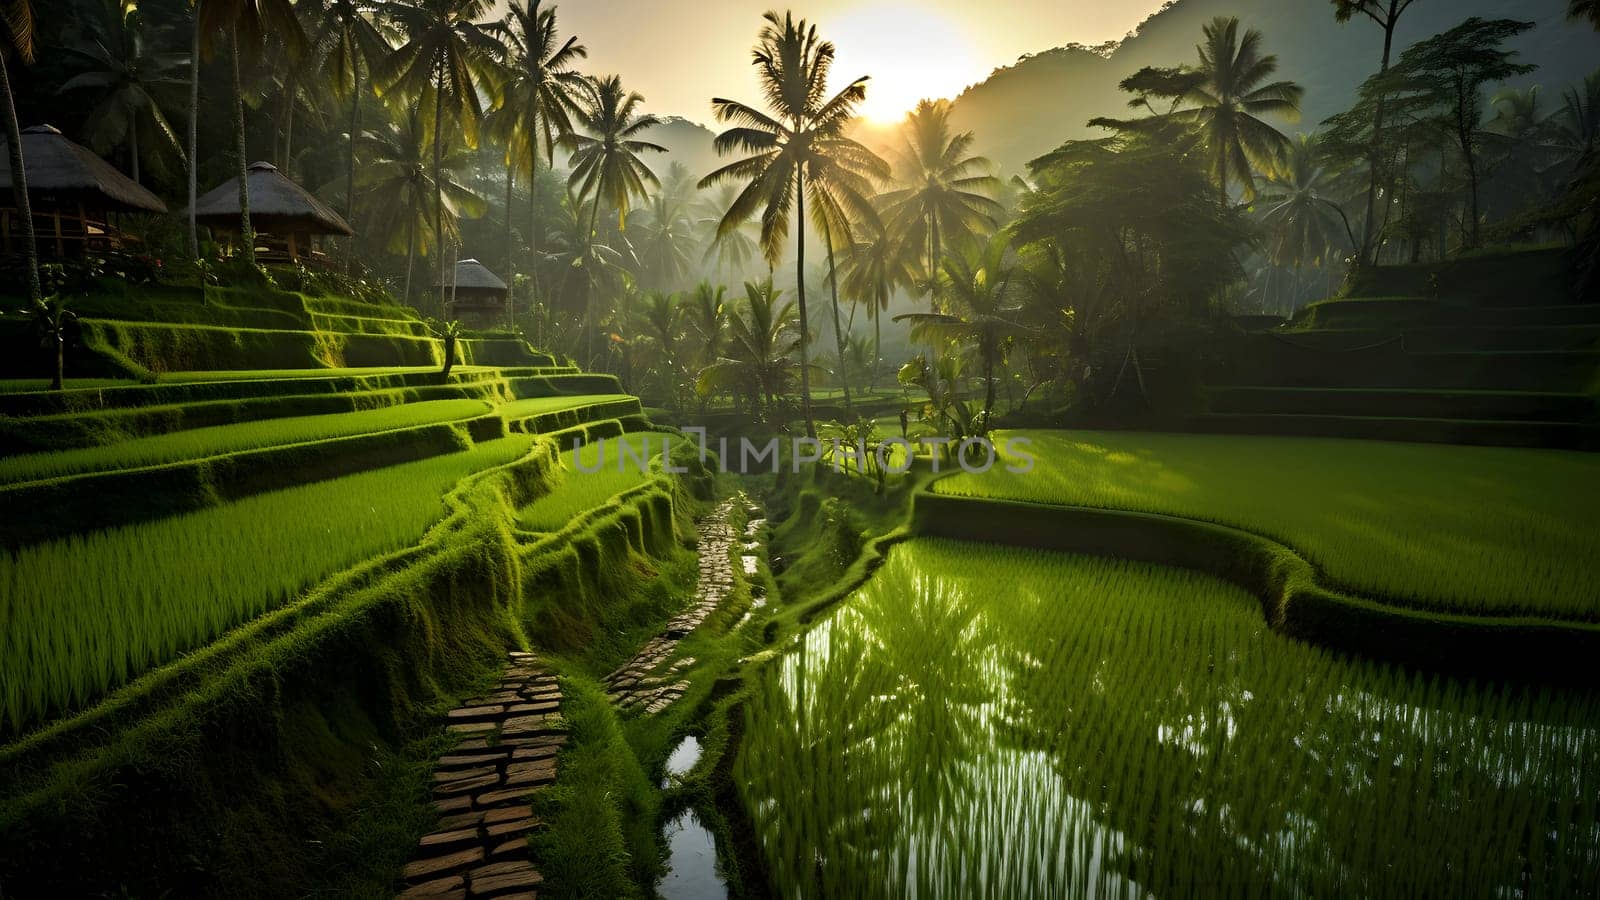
[[472, 275], [63, 175], [277, 205]]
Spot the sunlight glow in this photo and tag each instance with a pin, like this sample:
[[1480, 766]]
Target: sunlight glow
[[911, 53]]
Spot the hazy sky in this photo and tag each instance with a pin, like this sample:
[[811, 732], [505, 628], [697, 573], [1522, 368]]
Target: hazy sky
[[679, 53]]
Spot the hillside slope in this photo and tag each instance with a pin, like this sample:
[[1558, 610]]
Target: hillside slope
[[1023, 110]]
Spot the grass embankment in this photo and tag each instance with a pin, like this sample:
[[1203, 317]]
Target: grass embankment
[[200, 443], [593, 474], [291, 755], [1478, 530], [982, 721], [88, 612]]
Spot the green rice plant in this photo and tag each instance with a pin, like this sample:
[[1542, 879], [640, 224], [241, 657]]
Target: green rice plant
[[200, 443], [979, 721], [1468, 529], [594, 473], [83, 614], [535, 406]]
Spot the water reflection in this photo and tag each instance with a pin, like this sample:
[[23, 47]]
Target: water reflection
[[1016, 726], [691, 862]]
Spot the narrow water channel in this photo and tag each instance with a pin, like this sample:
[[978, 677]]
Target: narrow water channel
[[691, 848]]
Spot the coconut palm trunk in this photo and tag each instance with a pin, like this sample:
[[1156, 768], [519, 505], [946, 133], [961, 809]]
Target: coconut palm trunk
[[838, 333], [438, 187], [194, 132], [247, 235], [19, 184], [989, 353], [350, 170], [800, 289], [1364, 257], [877, 341], [411, 247], [589, 289], [533, 220], [511, 275]]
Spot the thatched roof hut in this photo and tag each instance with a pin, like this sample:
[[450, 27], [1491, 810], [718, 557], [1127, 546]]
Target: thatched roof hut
[[284, 215], [71, 191], [480, 296]]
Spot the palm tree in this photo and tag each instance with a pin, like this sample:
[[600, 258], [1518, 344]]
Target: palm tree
[[51, 321], [348, 39], [881, 261], [944, 195], [761, 341], [1386, 15], [707, 319], [665, 247], [1298, 209], [583, 261], [731, 251], [447, 56], [540, 93], [797, 153], [16, 40], [980, 289], [246, 23], [660, 321], [395, 173], [132, 82], [1519, 136], [1585, 9], [606, 160], [1226, 107], [1576, 125]]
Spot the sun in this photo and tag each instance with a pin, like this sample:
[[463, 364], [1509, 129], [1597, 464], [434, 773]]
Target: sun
[[911, 53]]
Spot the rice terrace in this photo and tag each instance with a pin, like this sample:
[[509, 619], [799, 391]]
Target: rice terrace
[[872, 449]]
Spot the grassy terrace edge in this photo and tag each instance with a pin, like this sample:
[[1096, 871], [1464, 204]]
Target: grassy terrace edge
[[359, 660], [1296, 598]]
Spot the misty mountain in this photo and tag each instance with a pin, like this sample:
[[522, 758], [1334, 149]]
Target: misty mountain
[[686, 141], [1026, 109]]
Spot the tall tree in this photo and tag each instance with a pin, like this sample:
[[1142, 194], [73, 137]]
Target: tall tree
[[881, 261], [730, 251], [131, 80], [1228, 104], [797, 153], [396, 176], [1585, 9], [540, 93], [757, 362], [707, 317], [606, 160], [1386, 13], [446, 58], [1448, 72], [1305, 223], [1576, 125], [943, 195], [245, 24], [16, 42], [347, 36], [981, 290]]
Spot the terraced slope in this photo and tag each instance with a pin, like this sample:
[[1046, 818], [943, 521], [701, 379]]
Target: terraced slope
[[155, 530], [1494, 353], [1476, 530]]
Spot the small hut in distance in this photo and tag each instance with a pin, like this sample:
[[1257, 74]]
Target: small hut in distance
[[288, 221], [480, 298], [72, 192]]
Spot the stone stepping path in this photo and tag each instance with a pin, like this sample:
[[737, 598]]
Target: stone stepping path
[[641, 683], [481, 787]]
